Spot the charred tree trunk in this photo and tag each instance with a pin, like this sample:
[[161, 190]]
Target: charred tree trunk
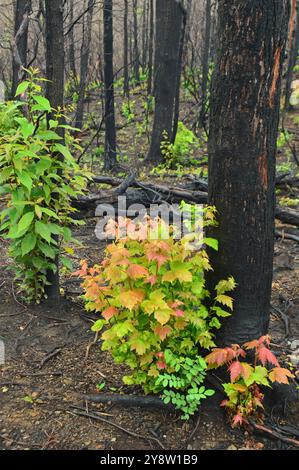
[[151, 48], [72, 55], [179, 75], [206, 64], [168, 33], [55, 94], [20, 42], [85, 53], [136, 47], [245, 101], [126, 51], [110, 131]]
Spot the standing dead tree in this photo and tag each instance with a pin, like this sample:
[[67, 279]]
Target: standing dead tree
[[242, 155]]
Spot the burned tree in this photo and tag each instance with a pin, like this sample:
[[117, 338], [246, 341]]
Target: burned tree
[[85, 53], [169, 20], [110, 130], [245, 101], [20, 41], [55, 94]]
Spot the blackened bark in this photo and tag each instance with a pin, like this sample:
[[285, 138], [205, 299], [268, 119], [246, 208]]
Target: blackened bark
[[126, 51], [205, 64], [151, 48], [55, 94], [85, 53], [136, 47], [245, 101], [20, 43], [168, 33], [72, 55], [110, 131], [179, 75]]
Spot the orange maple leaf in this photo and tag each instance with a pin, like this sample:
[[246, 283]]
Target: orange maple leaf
[[265, 355], [162, 331], [235, 369], [280, 375], [109, 313], [135, 271]]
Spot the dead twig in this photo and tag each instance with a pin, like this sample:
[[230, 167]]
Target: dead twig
[[49, 357], [273, 434], [284, 318], [110, 423]]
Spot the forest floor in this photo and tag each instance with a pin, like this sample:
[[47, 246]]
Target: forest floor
[[47, 370]]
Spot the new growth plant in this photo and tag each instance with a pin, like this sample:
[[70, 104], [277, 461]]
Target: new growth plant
[[38, 177], [244, 394], [179, 153], [156, 311]]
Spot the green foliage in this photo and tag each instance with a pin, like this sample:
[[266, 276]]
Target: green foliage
[[183, 384], [39, 177], [155, 307], [127, 110], [244, 396], [180, 152]]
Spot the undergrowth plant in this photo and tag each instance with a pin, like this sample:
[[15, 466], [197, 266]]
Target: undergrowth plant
[[38, 176], [244, 394], [155, 308], [180, 152]]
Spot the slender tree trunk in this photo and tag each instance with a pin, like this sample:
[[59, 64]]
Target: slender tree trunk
[[206, 64], [245, 101], [151, 48], [136, 47], [179, 75], [20, 42], [293, 51], [126, 48], [55, 94], [168, 33], [110, 131], [72, 55], [85, 53]]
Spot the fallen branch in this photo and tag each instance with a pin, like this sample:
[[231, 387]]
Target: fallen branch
[[128, 401], [273, 434], [286, 236], [48, 357], [96, 417]]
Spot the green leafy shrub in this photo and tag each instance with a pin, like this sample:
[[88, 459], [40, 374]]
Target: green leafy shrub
[[180, 152], [127, 110], [39, 177], [153, 302]]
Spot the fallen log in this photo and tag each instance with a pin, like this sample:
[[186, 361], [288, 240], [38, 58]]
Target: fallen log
[[129, 401], [148, 194], [289, 216]]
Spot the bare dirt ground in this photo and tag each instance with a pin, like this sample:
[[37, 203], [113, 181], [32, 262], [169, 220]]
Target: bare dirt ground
[[46, 373]]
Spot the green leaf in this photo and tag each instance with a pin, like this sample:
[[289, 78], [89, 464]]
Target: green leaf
[[211, 242], [43, 230], [25, 222], [98, 326], [28, 243], [22, 88], [26, 180], [44, 104], [47, 250], [64, 151], [66, 262]]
